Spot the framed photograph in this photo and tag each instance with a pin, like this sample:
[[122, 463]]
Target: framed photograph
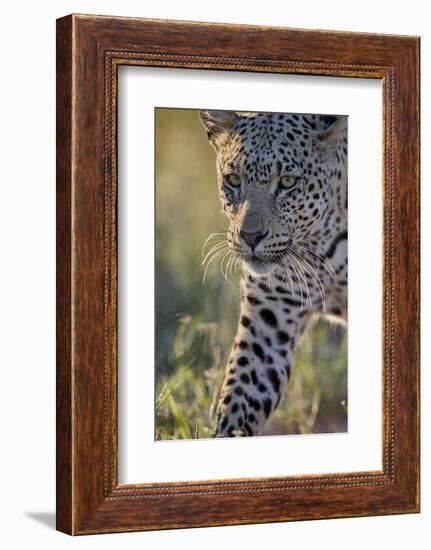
[[237, 274]]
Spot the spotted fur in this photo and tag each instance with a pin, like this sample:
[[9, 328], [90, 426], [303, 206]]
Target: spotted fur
[[283, 186]]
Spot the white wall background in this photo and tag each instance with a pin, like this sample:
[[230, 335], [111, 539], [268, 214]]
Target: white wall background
[[141, 459], [27, 244]]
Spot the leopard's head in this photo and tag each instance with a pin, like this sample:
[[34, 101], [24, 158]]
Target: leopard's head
[[276, 179]]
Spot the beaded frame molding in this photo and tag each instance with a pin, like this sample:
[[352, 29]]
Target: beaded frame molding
[[89, 51]]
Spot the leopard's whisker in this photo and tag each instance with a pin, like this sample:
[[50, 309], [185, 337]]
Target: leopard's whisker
[[230, 264], [213, 243], [321, 259], [213, 236], [270, 281], [210, 261], [300, 284], [213, 249], [314, 258], [319, 286], [304, 278], [314, 276], [290, 279], [324, 262], [236, 263], [216, 254], [223, 257], [223, 272]]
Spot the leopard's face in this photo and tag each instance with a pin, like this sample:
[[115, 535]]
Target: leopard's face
[[276, 180]]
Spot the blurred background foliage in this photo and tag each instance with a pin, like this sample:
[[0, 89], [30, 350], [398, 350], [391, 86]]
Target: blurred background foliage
[[196, 322]]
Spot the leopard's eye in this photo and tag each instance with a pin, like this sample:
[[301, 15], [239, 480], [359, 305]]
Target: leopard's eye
[[287, 182], [233, 180]]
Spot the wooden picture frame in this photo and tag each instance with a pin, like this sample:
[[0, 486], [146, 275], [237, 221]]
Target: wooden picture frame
[[89, 51]]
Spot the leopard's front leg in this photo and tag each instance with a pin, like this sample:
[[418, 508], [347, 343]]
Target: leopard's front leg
[[260, 361]]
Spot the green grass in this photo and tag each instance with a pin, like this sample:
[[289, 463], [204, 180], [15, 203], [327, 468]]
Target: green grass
[[316, 400], [186, 399]]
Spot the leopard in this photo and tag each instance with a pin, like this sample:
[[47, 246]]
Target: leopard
[[282, 183]]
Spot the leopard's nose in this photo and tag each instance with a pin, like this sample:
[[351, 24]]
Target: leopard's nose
[[253, 238]]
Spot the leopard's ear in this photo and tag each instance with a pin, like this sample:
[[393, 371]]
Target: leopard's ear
[[219, 125], [336, 133]]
